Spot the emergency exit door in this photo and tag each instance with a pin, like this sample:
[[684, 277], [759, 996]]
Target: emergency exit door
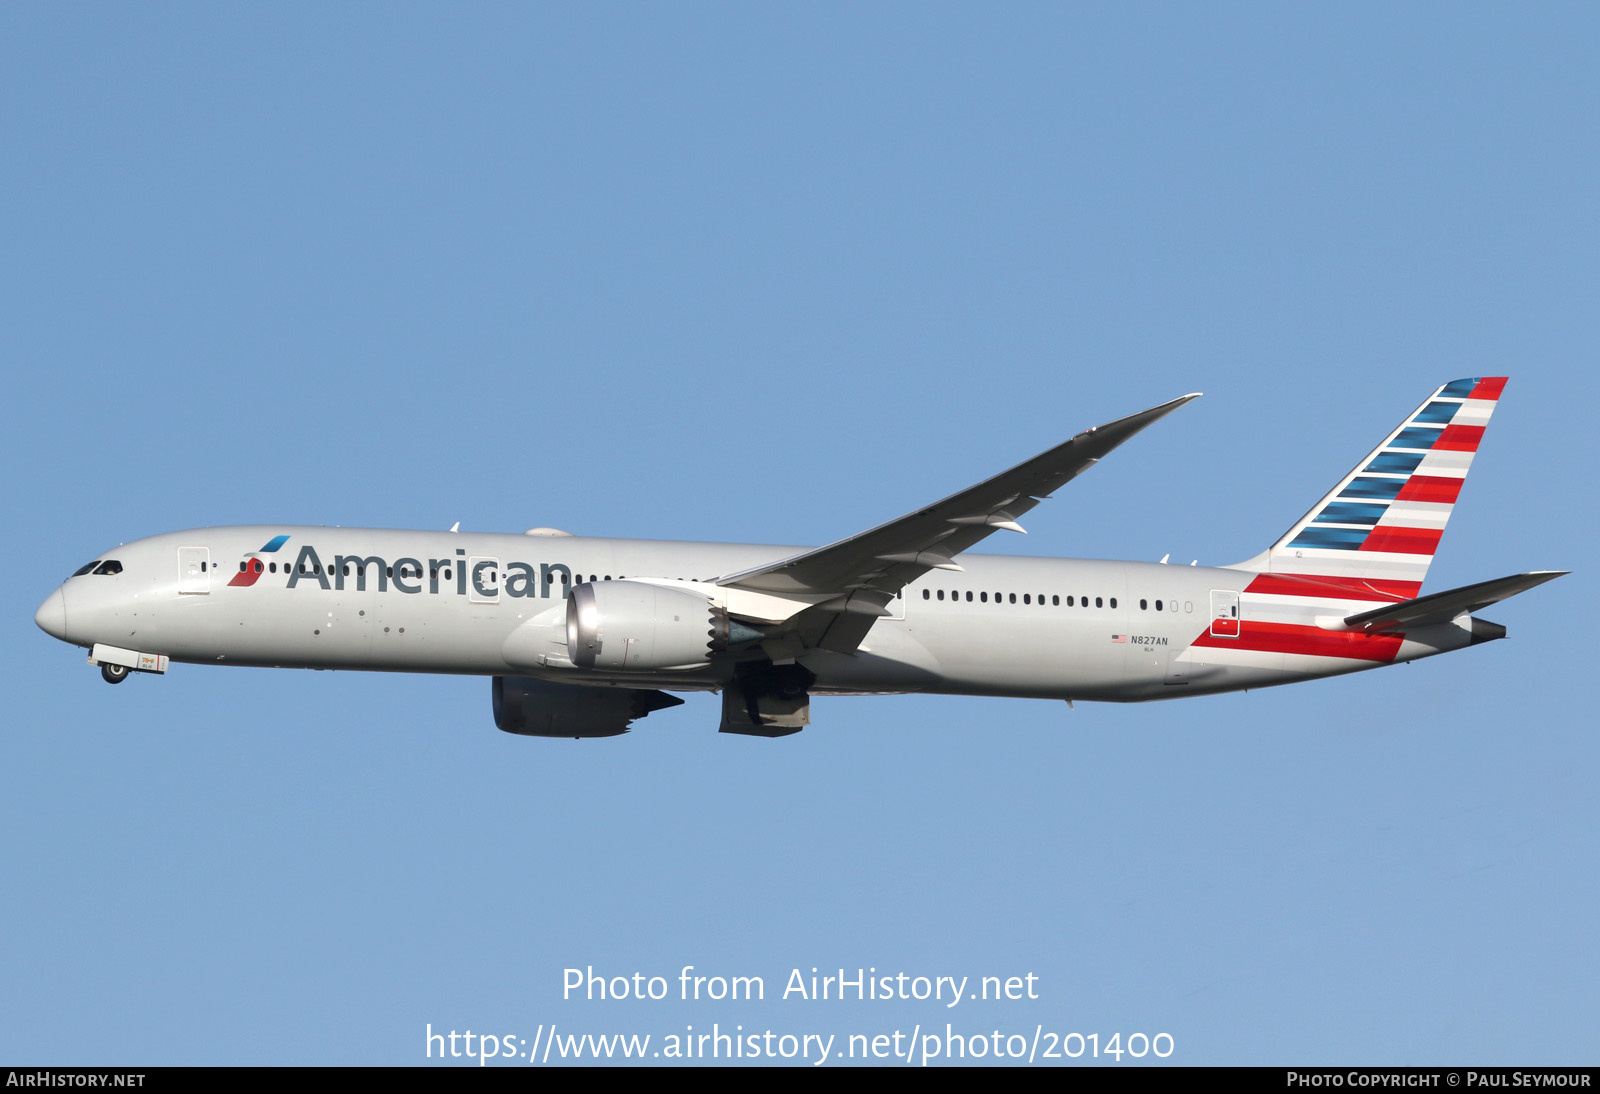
[[194, 569], [1224, 613]]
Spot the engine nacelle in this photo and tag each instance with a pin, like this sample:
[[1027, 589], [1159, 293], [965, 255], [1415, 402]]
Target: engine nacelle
[[635, 626], [540, 708]]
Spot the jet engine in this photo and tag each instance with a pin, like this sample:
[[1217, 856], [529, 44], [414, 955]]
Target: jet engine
[[636, 626], [540, 708]]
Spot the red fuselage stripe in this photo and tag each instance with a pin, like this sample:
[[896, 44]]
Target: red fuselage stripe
[[1313, 641]]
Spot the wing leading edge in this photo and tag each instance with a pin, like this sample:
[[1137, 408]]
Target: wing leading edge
[[864, 572]]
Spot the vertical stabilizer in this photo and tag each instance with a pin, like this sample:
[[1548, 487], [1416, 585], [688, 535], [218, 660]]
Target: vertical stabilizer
[[1377, 530]]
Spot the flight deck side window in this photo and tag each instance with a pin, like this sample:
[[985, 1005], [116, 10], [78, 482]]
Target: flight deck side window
[[85, 568], [109, 566]]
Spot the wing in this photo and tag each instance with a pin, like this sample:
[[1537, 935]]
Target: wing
[[865, 571]]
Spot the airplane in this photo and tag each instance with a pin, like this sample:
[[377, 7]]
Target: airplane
[[584, 636]]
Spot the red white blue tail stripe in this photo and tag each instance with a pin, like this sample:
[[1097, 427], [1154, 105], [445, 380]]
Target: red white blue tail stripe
[[1381, 525], [1369, 541]]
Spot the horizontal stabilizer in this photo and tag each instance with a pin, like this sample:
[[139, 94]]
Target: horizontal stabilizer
[[1445, 606]]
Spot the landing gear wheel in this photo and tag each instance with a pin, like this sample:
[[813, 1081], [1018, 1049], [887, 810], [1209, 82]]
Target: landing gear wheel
[[113, 674]]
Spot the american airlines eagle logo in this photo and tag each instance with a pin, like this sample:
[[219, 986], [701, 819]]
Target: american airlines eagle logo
[[253, 566]]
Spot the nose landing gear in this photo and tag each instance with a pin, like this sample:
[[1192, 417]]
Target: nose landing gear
[[115, 663]]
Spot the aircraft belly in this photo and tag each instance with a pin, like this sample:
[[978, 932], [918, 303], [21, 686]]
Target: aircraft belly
[[1038, 657]]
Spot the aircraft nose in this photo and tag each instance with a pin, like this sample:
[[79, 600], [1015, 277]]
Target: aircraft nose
[[52, 616]]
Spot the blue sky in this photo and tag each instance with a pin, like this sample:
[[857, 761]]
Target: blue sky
[[776, 274]]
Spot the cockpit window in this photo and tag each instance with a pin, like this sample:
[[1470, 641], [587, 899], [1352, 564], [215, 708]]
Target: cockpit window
[[109, 566], [85, 568]]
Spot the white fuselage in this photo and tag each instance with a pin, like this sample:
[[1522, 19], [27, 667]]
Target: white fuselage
[[495, 605]]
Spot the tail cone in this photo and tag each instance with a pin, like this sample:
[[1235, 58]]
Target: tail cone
[[1485, 631]]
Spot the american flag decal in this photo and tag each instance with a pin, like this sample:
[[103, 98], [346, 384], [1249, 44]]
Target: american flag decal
[[1119, 638]]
